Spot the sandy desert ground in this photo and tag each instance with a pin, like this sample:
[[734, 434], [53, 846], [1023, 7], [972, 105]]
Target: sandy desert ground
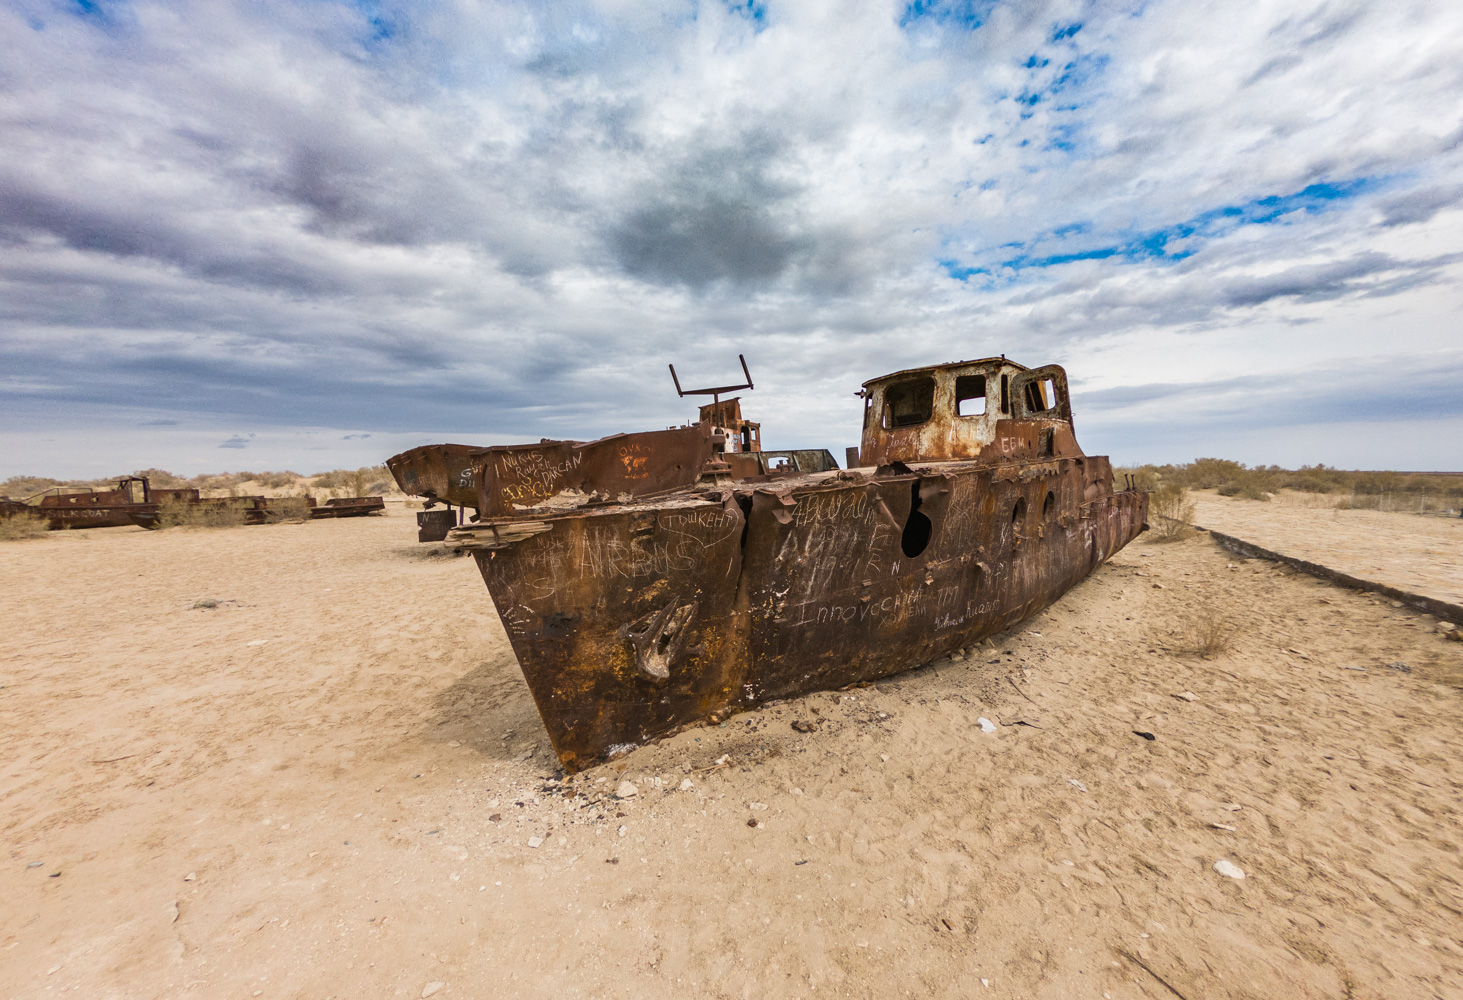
[[1420, 554], [330, 785]]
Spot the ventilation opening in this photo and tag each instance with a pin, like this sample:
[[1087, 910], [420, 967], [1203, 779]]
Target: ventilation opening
[[1006, 394], [917, 527], [1044, 444], [1049, 504], [1018, 511]]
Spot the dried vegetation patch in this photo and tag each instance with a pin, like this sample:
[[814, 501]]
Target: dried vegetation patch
[[18, 527]]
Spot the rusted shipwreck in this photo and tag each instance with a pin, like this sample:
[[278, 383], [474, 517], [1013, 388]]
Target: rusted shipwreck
[[136, 501], [650, 581]]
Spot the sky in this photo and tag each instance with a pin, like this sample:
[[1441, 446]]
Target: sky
[[309, 235]]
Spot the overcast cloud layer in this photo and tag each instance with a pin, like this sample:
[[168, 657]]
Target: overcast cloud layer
[[308, 235]]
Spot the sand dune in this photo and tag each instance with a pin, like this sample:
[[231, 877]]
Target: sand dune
[[329, 785]]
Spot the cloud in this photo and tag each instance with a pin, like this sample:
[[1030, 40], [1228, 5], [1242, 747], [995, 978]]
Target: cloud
[[388, 218], [235, 442]]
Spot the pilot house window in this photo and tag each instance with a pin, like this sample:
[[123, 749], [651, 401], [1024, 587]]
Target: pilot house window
[[909, 403], [970, 395], [1041, 396]]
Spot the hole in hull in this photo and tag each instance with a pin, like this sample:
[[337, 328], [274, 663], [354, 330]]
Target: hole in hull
[[917, 527]]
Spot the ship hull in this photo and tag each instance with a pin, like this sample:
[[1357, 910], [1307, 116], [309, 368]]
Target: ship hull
[[635, 621]]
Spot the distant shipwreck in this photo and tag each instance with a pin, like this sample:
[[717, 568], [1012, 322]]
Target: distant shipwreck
[[653, 580], [136, 501]]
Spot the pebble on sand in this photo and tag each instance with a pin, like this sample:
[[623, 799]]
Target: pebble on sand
[[535, 841], [431, 988], [1226, 867], [686, 784], [627, 790], [986, 725]]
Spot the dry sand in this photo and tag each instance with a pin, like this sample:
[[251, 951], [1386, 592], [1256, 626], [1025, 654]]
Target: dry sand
[[1421, 554], [327, 786]]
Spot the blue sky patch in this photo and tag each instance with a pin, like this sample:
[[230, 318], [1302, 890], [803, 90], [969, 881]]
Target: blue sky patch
[[967, 14], [1177, 242], [753, 10]]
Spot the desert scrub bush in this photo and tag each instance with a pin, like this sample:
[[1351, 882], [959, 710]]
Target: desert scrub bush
[[160, 479], [21, 487], [1245, 489], [1170, 513], [17, 527], [366, 481], [1209, 633], [179, 513], [287, 509]]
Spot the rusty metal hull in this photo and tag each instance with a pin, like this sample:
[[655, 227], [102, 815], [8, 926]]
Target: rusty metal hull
[[443, 473], [635, 620], [348, 507]]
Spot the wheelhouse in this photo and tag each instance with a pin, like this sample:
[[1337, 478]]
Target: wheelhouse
[[987, 409]]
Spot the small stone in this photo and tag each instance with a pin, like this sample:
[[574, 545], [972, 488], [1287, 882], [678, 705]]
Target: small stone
[[621, 830], [256, 642], [1158, 586], [1234, 807], [536, 841], [986, 725], [1187, 696], [35, 864], [1077, 784], [884, 757], [431, 988], [627, 790], [752, 822], [1222, 826], [172, 912], [207, 602], [721, 760], [803, 726], [757, 806], [1400, 667], [1226, 867], [189, 877], [686, 784], [495, 817], [797, 791]]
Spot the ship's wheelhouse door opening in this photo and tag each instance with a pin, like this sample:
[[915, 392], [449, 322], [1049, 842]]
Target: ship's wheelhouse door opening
[[970, 396], [909, 403]]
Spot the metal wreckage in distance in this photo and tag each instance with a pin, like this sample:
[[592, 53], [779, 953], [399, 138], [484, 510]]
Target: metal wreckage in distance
[[650, 581], [137, 501]]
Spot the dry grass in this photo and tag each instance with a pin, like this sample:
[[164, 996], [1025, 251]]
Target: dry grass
[[1210, 633], [18, 527], [176, 513], [287, 509], [371, 480], [1170, 513]]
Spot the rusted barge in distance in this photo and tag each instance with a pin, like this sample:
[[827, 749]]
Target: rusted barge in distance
[[650, 581], [136, 501]]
